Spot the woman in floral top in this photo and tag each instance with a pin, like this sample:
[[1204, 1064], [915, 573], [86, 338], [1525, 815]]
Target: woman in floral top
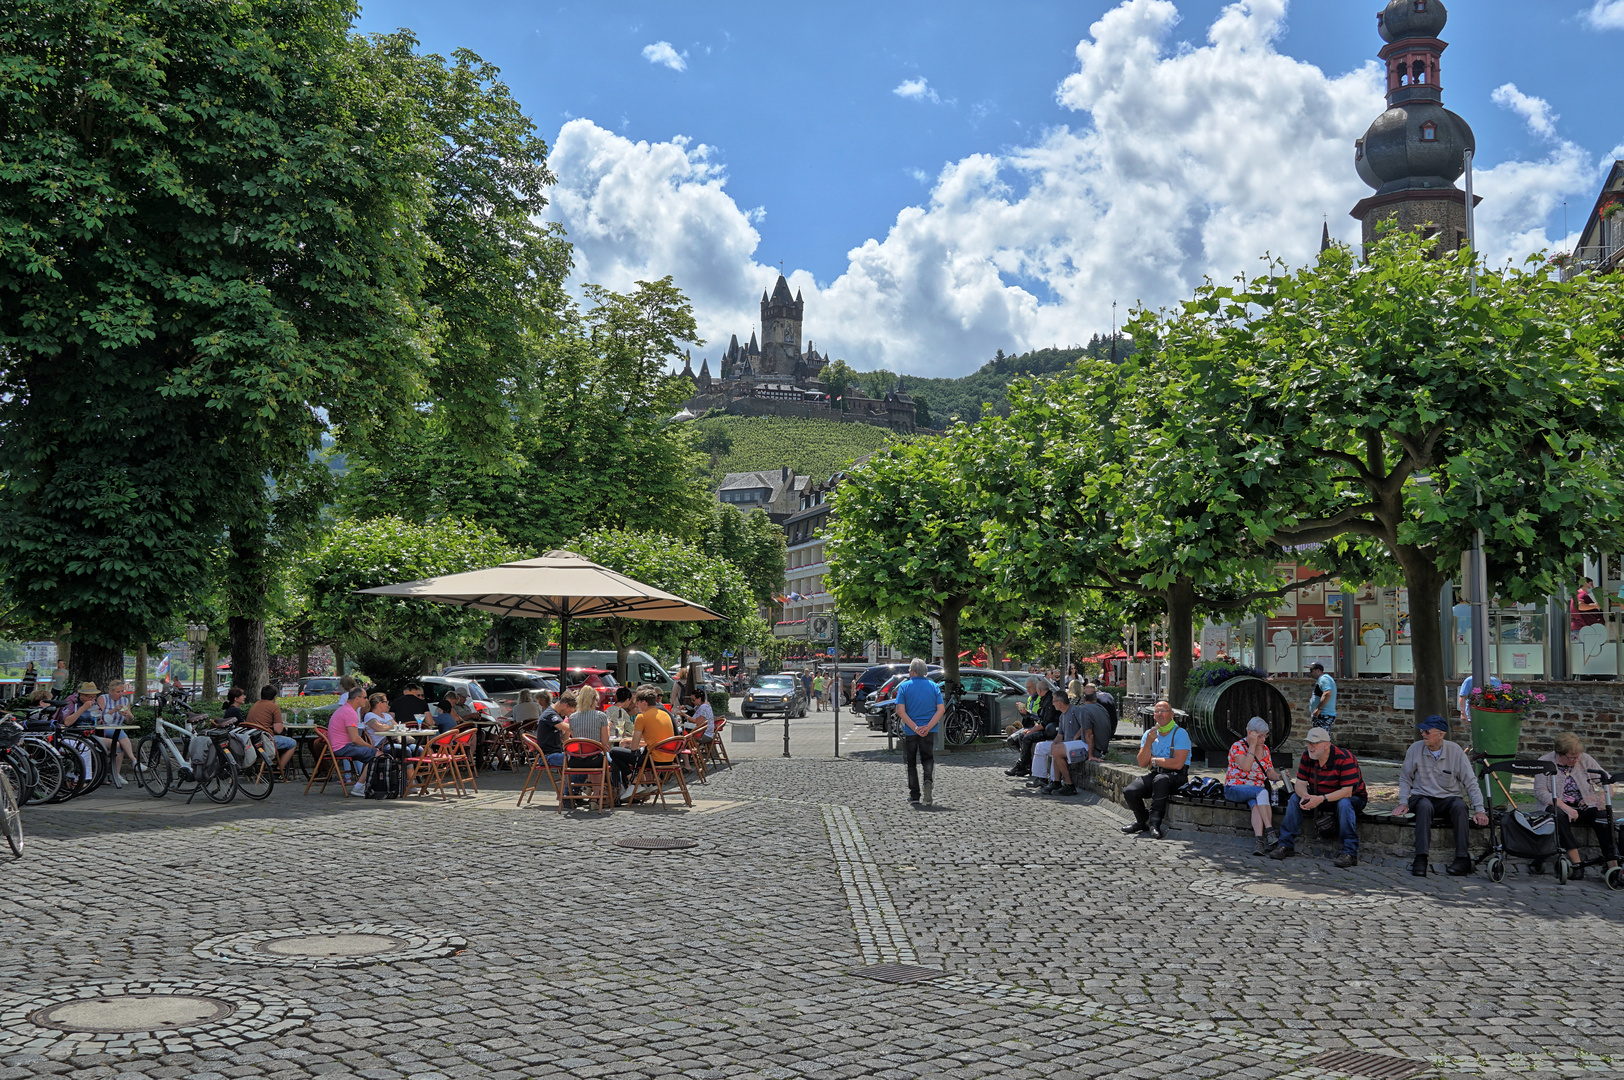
[[1246, 780]]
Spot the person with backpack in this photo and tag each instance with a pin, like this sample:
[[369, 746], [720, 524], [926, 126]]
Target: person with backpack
[[346, 739], [1247, 774], [1165, 751]]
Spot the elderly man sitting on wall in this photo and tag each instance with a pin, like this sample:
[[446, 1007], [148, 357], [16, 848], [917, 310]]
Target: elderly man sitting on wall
[[1435, 774]]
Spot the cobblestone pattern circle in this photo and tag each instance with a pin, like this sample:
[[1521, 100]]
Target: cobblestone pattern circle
[[1292, 895], [63, 1024], [379, 944]]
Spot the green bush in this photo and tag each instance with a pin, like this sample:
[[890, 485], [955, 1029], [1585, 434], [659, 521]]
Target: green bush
[[718, 704]]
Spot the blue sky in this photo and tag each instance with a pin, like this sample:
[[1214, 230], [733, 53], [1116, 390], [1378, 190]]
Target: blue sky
[[1017, 190]]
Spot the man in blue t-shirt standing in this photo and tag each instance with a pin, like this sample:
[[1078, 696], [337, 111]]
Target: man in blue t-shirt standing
[[1165, 751], [1322, 703], [919, 708]]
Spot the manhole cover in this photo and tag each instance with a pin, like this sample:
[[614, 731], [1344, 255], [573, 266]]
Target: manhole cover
[[141, 1016], [1362, 1063], [124, 1013], [335, 945], [667, 843], [898, 973], [329, 946], [1285, 890]]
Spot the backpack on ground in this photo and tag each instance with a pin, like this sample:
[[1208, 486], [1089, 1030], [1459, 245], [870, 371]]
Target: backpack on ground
[[387, 777]]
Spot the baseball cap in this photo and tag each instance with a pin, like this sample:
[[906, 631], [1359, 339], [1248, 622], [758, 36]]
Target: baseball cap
[[1433, 722], [1317, 735]]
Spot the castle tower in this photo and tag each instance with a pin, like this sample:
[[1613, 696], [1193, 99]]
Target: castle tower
[[704, 376], [1414, 152], [780, 330]]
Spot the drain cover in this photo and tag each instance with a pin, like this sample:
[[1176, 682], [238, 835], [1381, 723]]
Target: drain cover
[[336, 945], [659, 843], [120, 1014], [1362, 1063], [898, 973]]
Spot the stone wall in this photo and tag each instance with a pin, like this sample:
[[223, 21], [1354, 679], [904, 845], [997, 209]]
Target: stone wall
[[1367, 723]]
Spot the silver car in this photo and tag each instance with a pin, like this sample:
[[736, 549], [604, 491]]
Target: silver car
[[502, 682], [780, 694]]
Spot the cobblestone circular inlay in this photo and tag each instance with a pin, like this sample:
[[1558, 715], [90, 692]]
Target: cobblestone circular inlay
[[146, 1017], [659, 843], [329, 946], [1243, 889]]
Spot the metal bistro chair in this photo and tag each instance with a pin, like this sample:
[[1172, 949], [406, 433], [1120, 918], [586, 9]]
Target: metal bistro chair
[[538, 769], [463, 749], [594, 778], [437, 759], [692, 755], [716, 753], [652, 774]]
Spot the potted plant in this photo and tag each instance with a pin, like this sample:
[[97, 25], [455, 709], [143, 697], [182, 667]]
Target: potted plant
[[1497, 714]]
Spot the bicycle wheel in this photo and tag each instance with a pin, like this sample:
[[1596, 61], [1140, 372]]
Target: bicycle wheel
[[220, 785], [152, 769], [258, 779], [959, 728], [16, 767], [92, 758], [11, 817], [47, 771]]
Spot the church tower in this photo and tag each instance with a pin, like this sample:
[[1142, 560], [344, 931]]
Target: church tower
[[780, 330], [1414, 152]]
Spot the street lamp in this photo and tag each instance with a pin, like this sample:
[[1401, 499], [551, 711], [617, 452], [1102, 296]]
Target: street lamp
[[196, 635]]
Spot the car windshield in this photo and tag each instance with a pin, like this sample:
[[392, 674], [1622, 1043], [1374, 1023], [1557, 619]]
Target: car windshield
[[776, 682]]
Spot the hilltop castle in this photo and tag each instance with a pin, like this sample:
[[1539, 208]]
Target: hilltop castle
[[775, 378]]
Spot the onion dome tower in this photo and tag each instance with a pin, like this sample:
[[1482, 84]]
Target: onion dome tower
[[1414, 152]]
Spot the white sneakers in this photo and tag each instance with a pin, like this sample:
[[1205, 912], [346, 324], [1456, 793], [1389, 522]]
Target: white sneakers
[[359, 789], [118, 779]]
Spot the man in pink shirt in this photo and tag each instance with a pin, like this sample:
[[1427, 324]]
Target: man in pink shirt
[[345, 737]]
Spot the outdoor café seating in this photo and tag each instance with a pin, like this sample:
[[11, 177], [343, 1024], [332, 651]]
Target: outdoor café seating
[[584, 776], [652, 774], [327, 768], [538, 769]]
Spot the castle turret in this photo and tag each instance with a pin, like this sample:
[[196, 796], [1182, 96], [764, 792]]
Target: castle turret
[[780, 330], [704, 376], [1414, 152]]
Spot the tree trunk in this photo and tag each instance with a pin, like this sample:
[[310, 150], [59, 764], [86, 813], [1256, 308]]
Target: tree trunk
[[211, 662], [141, 673], [949, 618], [304, 661], [64, 651], [94, 663], [617, 630], [250, 663], [338, 660], [1425, 581], [1180, 599]]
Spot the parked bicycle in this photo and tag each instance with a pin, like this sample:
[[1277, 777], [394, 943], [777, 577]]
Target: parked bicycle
[[161, 766]]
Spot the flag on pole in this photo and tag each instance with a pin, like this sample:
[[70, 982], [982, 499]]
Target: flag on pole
[[163, 666]]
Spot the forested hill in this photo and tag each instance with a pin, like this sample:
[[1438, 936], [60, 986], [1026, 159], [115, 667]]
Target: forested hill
[[965, 397]]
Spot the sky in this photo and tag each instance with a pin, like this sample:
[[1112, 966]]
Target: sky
[[942, 180]]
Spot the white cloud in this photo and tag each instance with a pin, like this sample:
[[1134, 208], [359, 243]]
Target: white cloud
[[1188, 160], [1606, 15], [917, 90], [662, 52]]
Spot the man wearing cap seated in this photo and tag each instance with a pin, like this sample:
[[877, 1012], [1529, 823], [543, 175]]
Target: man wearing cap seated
[[1435, 773], [1326, 776]]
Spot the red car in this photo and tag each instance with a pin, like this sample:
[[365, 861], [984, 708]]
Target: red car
[[598, 678]]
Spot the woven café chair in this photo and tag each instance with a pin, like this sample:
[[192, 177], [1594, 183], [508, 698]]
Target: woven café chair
[[538, 769], [462, 749], [594, 778], [327, 768], [436, 762], [716, 753], [652, 775]]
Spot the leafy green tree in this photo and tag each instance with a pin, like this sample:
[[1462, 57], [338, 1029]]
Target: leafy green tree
[[393, 638], [680, 568], [905, 537], [752, 543], [837, 375], [593, 446], [211, 217], [1384, 409]]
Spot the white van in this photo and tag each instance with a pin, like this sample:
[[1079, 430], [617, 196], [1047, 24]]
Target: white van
[[640, 666]]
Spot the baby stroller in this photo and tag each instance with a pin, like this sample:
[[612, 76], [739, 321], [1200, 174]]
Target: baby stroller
[[1533, 837]]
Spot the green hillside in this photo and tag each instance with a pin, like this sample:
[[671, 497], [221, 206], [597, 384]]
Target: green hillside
[[810, 447]]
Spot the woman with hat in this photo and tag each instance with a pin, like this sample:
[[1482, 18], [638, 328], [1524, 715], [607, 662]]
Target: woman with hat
[[1246, 780]]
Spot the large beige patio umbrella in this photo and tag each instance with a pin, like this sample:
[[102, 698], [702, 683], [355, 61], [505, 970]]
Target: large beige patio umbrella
[[560, 585]]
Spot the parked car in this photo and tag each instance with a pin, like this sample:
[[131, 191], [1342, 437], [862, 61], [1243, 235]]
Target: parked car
[[435, 687], [502, 682], [599, 677], [871, 679], [318, 684], [1007, 688], [782, 694]]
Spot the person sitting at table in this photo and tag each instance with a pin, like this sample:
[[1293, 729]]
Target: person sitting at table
[[701, 715], [653, 726], [115, 712], [345, 738], [377, 718], [410, 708], [265, 715], [1574, 798], [525, 710], [233, 713], [590, 722], [454, 710], [621, 714], [551, 724]]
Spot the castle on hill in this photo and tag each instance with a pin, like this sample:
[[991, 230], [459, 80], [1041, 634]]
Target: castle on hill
[[776, 378]]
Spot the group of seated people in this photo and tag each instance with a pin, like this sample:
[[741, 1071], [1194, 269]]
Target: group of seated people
[[1436, 783], [1059, 729], [636, 719]]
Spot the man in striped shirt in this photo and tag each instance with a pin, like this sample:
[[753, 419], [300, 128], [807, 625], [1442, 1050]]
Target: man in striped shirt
[[1326, 776]]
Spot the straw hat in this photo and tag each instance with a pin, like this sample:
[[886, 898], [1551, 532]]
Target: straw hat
[[88, 688]]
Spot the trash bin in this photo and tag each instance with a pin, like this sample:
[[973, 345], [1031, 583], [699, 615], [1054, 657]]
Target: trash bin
[[1497, 733]]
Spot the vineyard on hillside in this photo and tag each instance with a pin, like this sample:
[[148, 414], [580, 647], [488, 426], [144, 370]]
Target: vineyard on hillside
[[810, 447]]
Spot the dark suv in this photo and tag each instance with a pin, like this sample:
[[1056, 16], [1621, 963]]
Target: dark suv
[[863, 687]]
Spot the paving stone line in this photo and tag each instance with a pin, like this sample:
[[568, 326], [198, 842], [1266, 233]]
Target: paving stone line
[[880, 936]]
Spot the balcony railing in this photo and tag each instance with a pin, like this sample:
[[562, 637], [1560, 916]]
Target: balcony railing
[[1597, 258]]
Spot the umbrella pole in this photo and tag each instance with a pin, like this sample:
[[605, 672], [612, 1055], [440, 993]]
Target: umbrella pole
[[563, 653]]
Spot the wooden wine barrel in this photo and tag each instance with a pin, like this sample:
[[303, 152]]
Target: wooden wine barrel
[[1218, 714]]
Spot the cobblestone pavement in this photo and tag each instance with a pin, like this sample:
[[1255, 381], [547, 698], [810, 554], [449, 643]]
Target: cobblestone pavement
[[525, 943]]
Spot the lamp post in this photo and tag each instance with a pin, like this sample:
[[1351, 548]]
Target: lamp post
[[196, 635]]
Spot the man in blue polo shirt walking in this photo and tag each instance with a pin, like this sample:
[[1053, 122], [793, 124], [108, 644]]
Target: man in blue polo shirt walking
[[919, 708], [1322, 703]]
